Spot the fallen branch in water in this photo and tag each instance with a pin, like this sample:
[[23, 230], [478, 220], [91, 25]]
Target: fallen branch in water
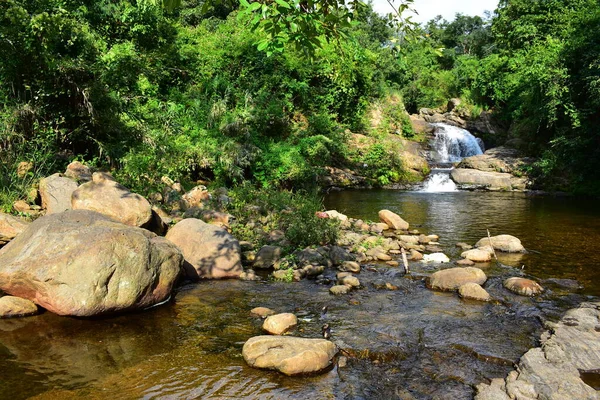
[[491, 245], [405, 261]]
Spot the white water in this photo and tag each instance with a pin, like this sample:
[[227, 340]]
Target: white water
[[451, 144]]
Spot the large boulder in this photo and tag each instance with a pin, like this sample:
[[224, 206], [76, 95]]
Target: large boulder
[[480, 179], [454, 278], [10, 227], [289, 355], [106, 196], [393, 220], [56, 192], [506, 243], [210, 251], [82, 263], [11, 306]]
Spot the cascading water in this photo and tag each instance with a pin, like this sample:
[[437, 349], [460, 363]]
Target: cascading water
[[451, 144]]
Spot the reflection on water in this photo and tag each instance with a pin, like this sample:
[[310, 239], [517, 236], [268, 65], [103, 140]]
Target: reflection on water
[[407, 343]]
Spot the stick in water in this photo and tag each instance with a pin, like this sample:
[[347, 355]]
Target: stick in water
[[405, 261], [491, 245]]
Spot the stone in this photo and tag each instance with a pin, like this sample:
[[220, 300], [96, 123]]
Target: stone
[[393, 220], [23, 168], [11, 306], [276, 236], [262, 312], [351, 281], [312, 270], [21, 206], [104, 195], [278, 324], [197, 197], [464, 246], [319, 256], [523, 286], [473, 291], [465, 262], [216, 217], [10, 227], [78, 172], [480, 179], [338, 255], [333, 214], [210, 252], [506, 243], [383, 257], [82, 263], [392, 263], [248, 275], [267, 257], [409, 239], [415, 255], [289, 355], [432, 248], [339, 289], [477, 255], [56, 192], [453, 278], [349, 266], [436, 258]]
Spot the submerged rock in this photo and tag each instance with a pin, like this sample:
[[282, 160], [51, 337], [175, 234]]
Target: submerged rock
[[289, 355], [454, 278], [11, 306], [210, 251], [82, 263], [279, 324], [473, 291], [506, 243], [262, 312], [522, 286]]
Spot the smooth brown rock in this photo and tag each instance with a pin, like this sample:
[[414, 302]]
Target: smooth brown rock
[[393, 220], [349, 266], [262, 312], [454, 278], [415, 255], [11, 306], [56, 192], [78, 172], [289, 355], [350, 281], [522, 286], [477, 255], [506, 243], [279, 324], [473, 291], [104, 195], [21, 206], [210, 252], [339, 289], [10, 227], [82, 263], [465, 262]]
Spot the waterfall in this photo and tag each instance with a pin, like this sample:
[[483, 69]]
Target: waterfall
[[451, 144]]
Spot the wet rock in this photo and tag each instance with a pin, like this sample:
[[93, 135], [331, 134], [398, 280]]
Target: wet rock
[[267, 257], [454, 278], [506, 243], [436, 258], [104, 195], [249, 275], [415, 255], [350, 281], [312, 270], [464, 246], [393, 220], [349, 266], [477, 255], [339, 289], [10, 227], [392, 263], [382, 256], [56, 192], [289, 355], [210, 251], [11, 306], [336, 215], [78, 172], [473, 291], [318, 256], [279, 324], [262, 312], [338, 255], [433, 248], [465, 262], [522, 286], [82, 263]]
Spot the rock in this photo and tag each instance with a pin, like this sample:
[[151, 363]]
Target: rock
[[465, 262], [419, 125], [248, 275], [480, 179], [382, 256], [464, 246], [10, 227], [56, 192], [552, 371], [409, 239], [104, 195], [267, 257], [393, 220], [312, 270], [333, 214], [339, 289], [338, 255], [289, 355], [454, 278], [506, 243], [210, 252], [452, 104], [276, 236], [415, 255], [217, 217], [78, 172], [350, 281], [436, 258], [23, 168], [392, 263], [378, 228], [432, 248], [497, 159], [82, 263], [477, 255], [522, 286], [473, 291], [278, 324], [262, 312], [349, 266], [157, 224], [197, 197], [21, 206], [11, 306], [319, 256]]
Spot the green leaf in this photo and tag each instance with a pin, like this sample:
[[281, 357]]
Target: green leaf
[[283, 4]]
